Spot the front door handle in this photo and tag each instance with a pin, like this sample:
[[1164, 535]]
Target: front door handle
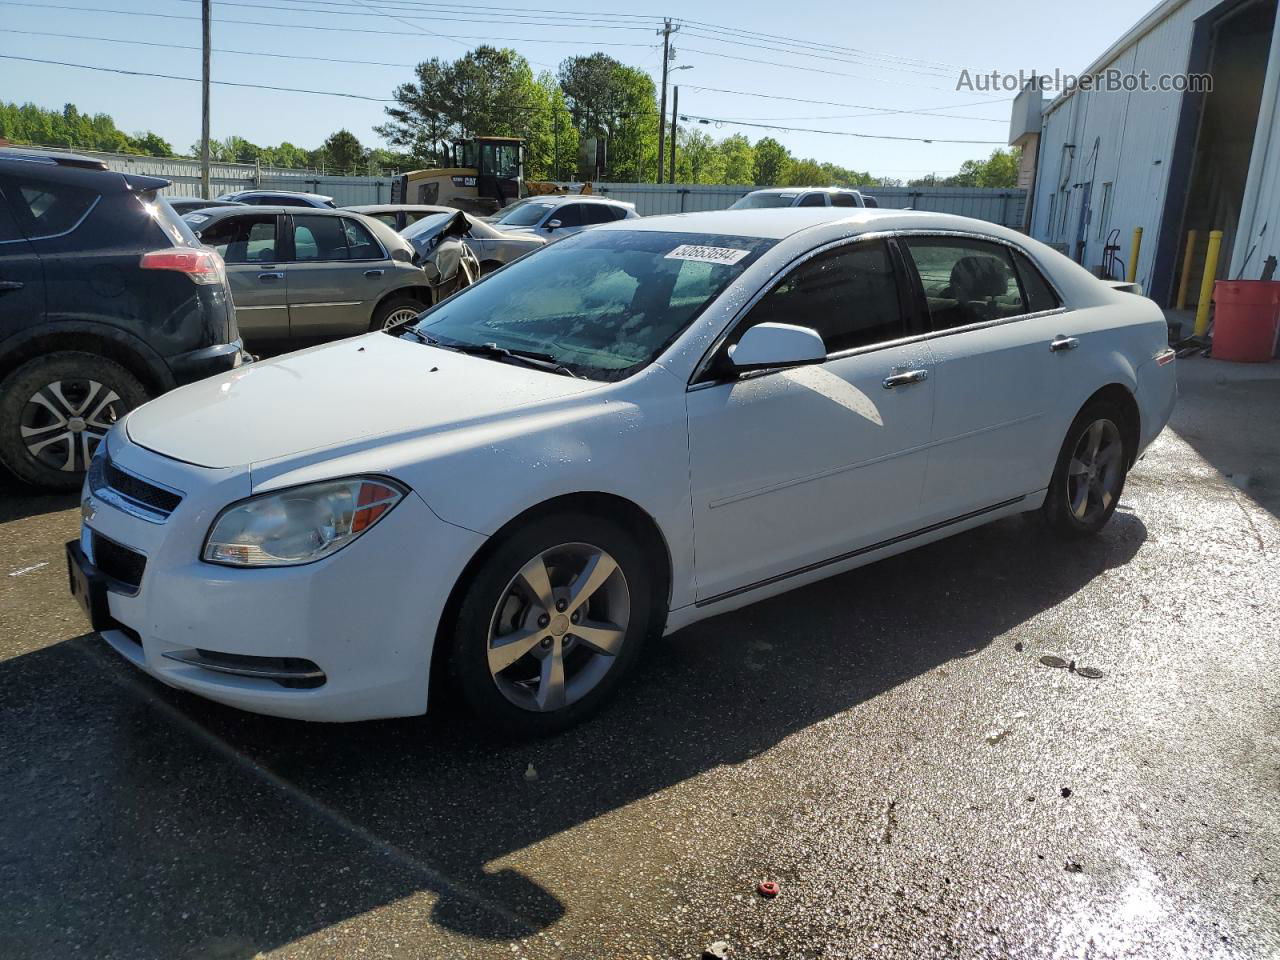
[[374, 273], [1064, 343], [902, 379], [264, 277], [7, 285]]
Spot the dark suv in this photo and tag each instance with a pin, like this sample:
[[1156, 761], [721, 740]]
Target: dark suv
[[106, 299]]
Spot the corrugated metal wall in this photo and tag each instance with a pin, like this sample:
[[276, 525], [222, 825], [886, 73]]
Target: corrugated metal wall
[[227, 177], [984, 203], [1124, 139]]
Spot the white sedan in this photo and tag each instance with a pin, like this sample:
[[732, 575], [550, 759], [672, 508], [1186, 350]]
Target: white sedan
[[625, 432]]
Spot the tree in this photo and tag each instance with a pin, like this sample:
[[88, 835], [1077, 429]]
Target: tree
[[998, 170], [420, 119], [152, 145], [772, 162], [342, 152], [698, 157], [739, 159], [806, 173], [607, 98]]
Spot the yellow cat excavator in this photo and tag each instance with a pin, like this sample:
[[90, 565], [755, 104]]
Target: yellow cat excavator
[[487, 173]]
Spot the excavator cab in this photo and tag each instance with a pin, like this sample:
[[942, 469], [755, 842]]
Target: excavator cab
[[486, 174]]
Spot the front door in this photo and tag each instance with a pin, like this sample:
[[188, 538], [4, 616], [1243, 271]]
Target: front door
[[998, 374], [796, 467], [337, 274], [256, 272], [21, 277]]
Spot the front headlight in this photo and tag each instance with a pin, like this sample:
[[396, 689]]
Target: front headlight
[[299, 525]]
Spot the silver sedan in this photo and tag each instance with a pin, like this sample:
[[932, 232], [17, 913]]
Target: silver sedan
[[492, 247]]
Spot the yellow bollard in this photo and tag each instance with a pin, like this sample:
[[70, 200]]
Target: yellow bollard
[[1133, 254], [1206, 285], [1186, 269]]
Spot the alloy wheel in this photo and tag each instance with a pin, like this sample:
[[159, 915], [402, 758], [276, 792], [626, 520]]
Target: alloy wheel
[[1096, 471], [559, 627], [63, 422], [399, 317]]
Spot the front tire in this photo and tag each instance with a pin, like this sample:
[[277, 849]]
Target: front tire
[[56, 409], [1090, 473], [550, 623]]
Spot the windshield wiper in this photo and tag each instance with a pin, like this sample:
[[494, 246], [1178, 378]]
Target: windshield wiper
[[421, 337], [539, 361]]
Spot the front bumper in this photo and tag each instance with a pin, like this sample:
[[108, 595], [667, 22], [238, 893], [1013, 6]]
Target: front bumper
[[366, 616]]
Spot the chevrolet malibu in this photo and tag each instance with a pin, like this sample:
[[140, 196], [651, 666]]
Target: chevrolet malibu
[[625, 432]]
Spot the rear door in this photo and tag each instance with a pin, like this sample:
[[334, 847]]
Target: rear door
[[570, 216], [998, 374], [21, 278], [337, 275], [256, 270]]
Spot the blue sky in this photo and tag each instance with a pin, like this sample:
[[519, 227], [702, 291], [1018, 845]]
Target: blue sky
[[903, 55]]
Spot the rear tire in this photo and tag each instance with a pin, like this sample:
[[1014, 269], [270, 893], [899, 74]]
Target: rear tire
[[56, 409], [1090, 473], [519, 667], [395, 312]]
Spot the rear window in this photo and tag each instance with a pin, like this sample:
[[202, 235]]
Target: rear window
[[168, 220], [48, 209], [755, 201]]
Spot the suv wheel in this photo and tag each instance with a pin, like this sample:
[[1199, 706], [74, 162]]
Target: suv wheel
[[56, 409]]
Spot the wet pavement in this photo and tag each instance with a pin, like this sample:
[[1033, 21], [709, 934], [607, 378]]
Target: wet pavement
[[887, 746]]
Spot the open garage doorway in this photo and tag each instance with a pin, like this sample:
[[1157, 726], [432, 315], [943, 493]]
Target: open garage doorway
[[1214, 142]]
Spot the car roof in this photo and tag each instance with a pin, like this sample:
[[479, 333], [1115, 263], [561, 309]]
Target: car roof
[[805, 190], [35, 155], [258, 192], [776, 223], [579, 197], [406, 207]]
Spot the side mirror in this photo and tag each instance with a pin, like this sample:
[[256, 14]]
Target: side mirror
[[773, 345], [404, 256], [552, 224]]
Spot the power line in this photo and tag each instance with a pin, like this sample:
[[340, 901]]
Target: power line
[[221, 83], [833, 133], [795, 66], [921, 111], [816, 55]]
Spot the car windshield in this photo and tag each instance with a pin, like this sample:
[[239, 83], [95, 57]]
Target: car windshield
[[426, 226], [603, 303], [754, 201], [523, 215]]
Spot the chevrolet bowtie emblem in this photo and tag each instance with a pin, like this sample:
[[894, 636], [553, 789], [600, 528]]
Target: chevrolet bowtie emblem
[[87, 510]]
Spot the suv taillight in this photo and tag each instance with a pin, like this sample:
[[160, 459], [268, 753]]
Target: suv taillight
[[202, 265]]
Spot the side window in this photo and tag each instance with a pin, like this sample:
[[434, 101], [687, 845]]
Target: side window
[[850, 296], [1040, 295], [597, 213], [390, 218], [965, 281], [618, 213], [813, 200], [360, 241], [843, 200], [569, 215], [319, 238], [46, 209], [249, 239]]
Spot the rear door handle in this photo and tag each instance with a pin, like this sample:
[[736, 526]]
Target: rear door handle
[[1061, 342], [264, 277], [902, 379], [7, 285], [374, 273]]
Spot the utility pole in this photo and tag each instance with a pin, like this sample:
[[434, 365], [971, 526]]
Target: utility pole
[[205, 189], [666, 32], [675, 112]]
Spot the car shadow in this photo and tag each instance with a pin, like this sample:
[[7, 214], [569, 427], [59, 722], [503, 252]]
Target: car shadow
[[165, 825], [19, 501]]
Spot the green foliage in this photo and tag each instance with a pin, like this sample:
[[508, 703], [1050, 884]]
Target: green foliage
[[998, 170], [739, 159], [607, 98], [342, 152], [773, 163], [68, 127]]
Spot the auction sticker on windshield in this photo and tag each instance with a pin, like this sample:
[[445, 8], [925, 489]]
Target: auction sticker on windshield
[[693, 251]]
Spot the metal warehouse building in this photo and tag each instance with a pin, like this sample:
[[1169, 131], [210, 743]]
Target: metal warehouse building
[[1102, 162]]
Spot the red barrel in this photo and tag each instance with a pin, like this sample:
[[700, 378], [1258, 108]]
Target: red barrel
[[1246, 320]]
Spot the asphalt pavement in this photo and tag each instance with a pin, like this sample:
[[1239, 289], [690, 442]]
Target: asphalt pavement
[[888, 746]]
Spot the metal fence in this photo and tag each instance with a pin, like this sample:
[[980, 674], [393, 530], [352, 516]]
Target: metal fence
[[228, 177], [983, 203]]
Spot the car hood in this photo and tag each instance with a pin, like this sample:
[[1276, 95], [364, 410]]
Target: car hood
[[369, 386]]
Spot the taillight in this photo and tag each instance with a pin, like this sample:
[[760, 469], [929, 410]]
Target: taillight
[[201, 264]]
